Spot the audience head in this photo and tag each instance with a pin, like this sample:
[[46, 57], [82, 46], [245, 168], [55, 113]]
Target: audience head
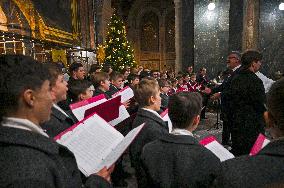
[[275, 113], [190, 69], [147, 94], [193, 77], [125, 72], [174, 82], [116, 79], [184, 110], [203, 71], [24, 89], [251, 60], [180, 80], [133, 79], [107, 69], [101, 80], [186, 77], [94, 68], [155, 74], [80, 90], [233, 59], [58, 85], [77, 71], [164, 85]]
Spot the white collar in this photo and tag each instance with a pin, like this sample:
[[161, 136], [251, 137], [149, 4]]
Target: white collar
[[236, 68], [24, 124], [58, 108], [152, 111], [177, 131]]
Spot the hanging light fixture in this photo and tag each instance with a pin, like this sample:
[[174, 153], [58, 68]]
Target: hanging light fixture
[[211, 6], [281, 6]]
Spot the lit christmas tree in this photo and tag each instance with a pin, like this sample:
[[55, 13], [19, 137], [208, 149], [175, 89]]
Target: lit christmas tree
[[118, 52]]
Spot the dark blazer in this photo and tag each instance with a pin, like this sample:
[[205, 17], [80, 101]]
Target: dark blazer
[[98, 92], [164, 101], [179, 161], [58, 122], [153, 129], [31, 160], [112, 90], [247, 104], [266, 169]]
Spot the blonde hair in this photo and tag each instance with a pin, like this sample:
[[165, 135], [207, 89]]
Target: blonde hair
[[143, 91]]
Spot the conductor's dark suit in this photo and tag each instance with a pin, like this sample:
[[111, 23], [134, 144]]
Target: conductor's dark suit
[[247, 104]]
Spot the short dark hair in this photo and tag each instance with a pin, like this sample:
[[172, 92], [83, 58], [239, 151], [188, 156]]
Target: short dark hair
[[249, 57], [17, 74], [146, 88], [54, 72], [94, 68], [74, 67], [275, 103], [163, 82], [183, 107], [76, 88], [132, 77], [115, 76]]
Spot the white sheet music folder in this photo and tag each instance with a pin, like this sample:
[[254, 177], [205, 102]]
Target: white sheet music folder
[[95, 143], [215, 147]]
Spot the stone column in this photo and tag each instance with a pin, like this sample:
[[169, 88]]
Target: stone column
[[162, 46], [187, 40], [235, 25], [251, 24], [178, 37]]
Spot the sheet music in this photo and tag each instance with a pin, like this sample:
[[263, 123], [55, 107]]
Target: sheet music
[[118, 151], [123, 114], [126, 94], [80, 112], [222, 153], [91, 142]]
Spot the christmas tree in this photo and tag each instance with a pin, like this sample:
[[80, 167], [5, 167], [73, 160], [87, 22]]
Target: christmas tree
[[118, 52]]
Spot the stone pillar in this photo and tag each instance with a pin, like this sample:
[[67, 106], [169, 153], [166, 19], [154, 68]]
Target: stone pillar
[[162, 47], [178, 37], [187, 40], [251, 24], [235, 25]]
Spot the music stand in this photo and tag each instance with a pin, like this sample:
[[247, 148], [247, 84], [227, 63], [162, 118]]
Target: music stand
[[218, 123]]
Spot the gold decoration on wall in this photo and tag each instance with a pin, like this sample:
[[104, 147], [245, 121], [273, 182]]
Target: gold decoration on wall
[[3, 20], [40, 30], [101, 54], [59, 56]]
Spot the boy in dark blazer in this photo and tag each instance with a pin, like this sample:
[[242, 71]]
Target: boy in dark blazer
[[164, 89], [60, 119], [266, 169], [177, 159], [147, 95]]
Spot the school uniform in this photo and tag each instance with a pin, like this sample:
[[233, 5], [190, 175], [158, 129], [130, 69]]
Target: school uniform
[[29, 158], [59, 121], [266, 169], [153, 129], [178, 160]]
